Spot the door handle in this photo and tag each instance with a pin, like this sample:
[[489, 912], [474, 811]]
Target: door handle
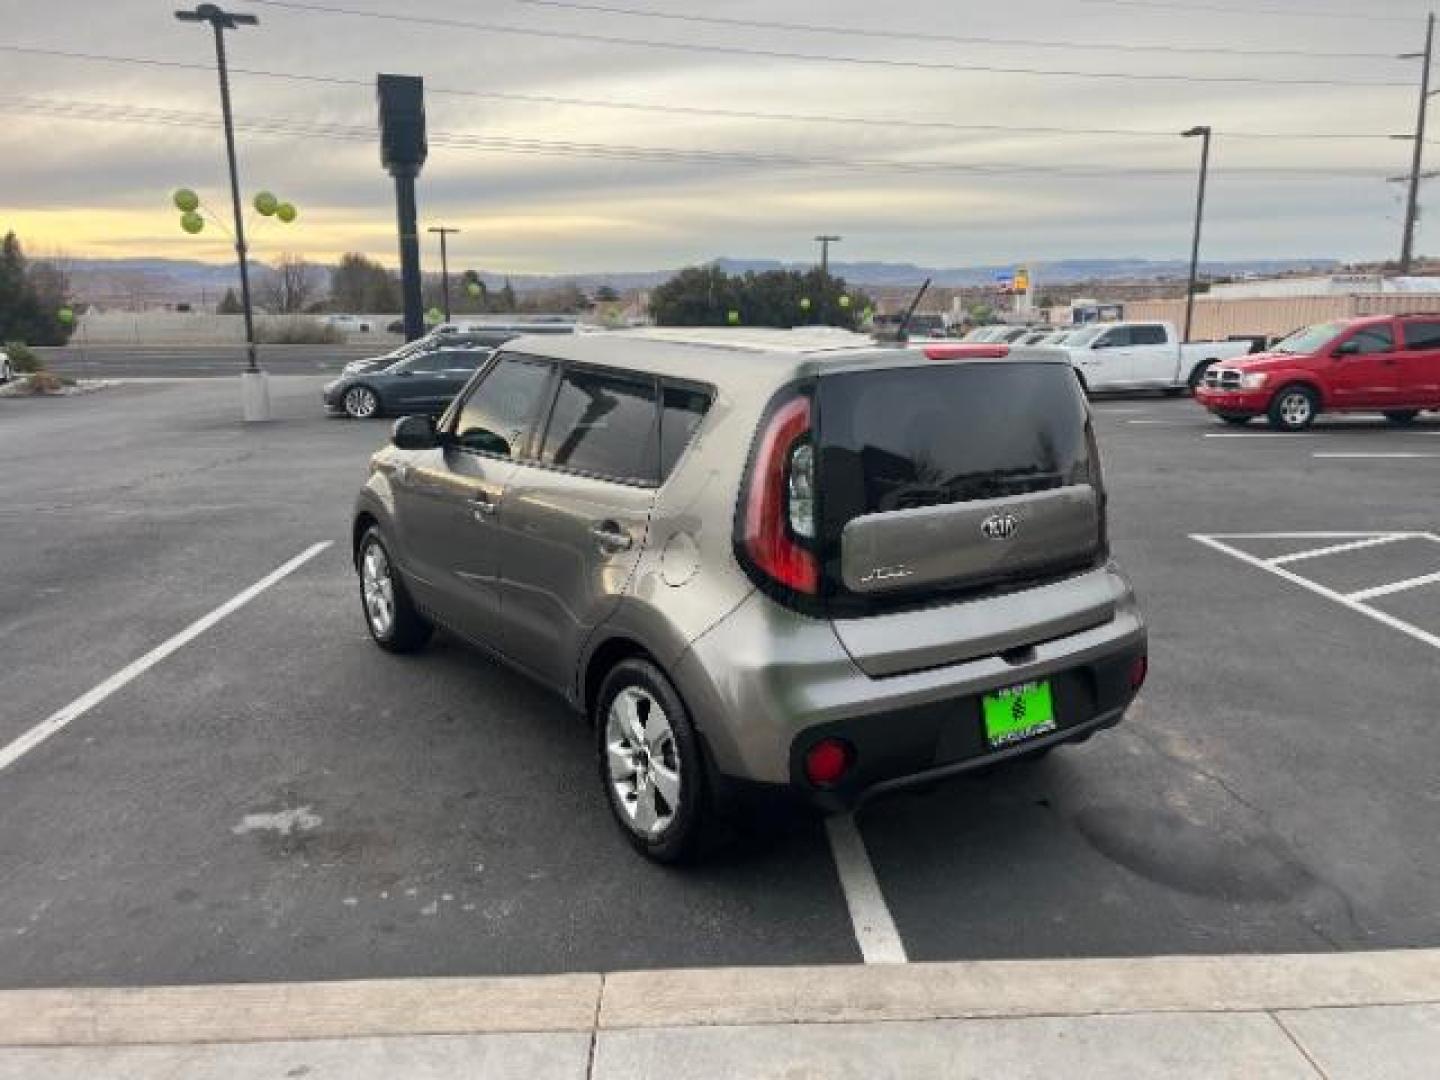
[[610, 538], [481, 507]]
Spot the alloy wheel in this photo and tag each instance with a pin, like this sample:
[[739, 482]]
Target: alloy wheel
[[361, 402], [643, 761], [378, 589], [1296, 409]]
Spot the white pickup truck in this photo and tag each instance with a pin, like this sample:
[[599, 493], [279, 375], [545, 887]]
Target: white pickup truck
[[1144, 356]]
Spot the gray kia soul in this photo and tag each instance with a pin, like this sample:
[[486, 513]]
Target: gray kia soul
[[764, 561]]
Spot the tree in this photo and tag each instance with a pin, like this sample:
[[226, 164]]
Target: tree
[[362, 284], [606, 295], [31, 297], [230, 304], [706, 296], [292, 285]]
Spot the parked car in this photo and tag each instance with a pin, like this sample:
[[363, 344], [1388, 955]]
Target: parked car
[[449, 339], [424, 382], [350, 324], [765, 561], [1144, 356], [1384, 364]]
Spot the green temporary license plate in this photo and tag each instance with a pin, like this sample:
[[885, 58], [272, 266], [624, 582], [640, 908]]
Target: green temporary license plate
[[1019, 713]]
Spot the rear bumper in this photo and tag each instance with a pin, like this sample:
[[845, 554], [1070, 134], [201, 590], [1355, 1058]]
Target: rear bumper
[[766, 684], [1233, 402]]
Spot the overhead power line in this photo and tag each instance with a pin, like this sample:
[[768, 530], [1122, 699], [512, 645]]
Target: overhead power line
[[1288, 13], [294, 127], [690, 110], [933, 37], [809, 57]]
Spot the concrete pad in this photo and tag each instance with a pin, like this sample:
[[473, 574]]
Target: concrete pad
[[272, 1011], [439, 1057], [1017, 988], [1383, 1043], [1173, 1047]]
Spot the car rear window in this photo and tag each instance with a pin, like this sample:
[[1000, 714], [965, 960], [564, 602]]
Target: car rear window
[[901, 438]]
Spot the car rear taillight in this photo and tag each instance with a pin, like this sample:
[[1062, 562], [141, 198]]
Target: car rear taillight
[[780, 501], [1139, 671]]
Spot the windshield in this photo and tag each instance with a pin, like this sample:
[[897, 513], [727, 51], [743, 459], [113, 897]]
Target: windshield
[[1310, 340]]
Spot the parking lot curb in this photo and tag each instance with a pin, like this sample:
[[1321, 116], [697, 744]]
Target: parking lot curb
[[716, 996]]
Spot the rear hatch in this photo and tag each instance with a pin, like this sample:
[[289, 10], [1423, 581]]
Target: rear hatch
[[951, 495]]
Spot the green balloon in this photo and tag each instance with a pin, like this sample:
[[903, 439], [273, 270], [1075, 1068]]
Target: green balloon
[[66, 316], [434, 315], [734, 317], [186, 200], [286, 212], [845, 301], [804, 303], [473, 288], [266, 203], [192, 222]]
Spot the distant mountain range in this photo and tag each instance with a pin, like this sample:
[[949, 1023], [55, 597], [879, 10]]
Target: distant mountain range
[[156, 280]]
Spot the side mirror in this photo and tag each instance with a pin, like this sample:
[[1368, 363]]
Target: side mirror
[[1348, 348], [415, 433]]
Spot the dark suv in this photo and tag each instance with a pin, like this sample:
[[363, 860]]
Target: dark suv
[[764, 560]]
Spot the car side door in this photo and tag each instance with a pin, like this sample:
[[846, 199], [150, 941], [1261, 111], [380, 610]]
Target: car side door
[[1364, 368], [422, 386], [1420, 365], [1106, 364], [1154, 357], [448, 499], [574, 521]]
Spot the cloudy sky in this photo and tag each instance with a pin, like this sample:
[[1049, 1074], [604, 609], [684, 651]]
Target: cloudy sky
[[903, 145]]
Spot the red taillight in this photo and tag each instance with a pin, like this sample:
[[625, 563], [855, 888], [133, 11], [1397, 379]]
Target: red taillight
[[1139, 669], [966, 351], [827, 761], [769, 541]]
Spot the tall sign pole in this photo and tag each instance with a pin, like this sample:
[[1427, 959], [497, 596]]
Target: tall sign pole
[[403, 149], [255, 391]]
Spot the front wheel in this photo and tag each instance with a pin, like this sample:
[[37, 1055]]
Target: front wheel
[[1402, 417], [1197, 374], [391, 616], [361, 403], [1294, 408], [650, 762]]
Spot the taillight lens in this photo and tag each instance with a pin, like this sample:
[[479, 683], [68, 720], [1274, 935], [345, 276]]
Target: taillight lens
[[1139, 671], [780, 505]]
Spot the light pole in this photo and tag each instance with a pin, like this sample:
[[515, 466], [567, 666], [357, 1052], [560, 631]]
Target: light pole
[[444, 264], [1412, 201], [1204, 133], [255, 392], [825, 241]]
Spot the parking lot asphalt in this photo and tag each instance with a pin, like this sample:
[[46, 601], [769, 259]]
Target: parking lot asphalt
[[278, 800], [114, 361]]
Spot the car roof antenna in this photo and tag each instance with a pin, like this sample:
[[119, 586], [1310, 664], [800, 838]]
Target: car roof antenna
[[901, 333]]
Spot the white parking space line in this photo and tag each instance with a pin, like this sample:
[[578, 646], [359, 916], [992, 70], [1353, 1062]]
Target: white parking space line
[[1394, 587], [875, 931], [1336, 549], [1356, 605], [58, 721], [1384, 456]]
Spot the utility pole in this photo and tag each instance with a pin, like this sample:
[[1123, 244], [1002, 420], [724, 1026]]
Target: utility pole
[[444, 264], [1412, 202], [1204, 133], [255, 391], [825, 241]]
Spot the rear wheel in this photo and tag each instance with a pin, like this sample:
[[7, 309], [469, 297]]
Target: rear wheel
[[1294, 408], [390, 615], [362, 403], [1402, 416], [650, 762]]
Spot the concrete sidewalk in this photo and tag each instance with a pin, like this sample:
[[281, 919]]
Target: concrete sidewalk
[[1337, 1016]]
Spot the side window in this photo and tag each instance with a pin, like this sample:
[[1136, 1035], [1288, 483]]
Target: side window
[[500, 412], [428, 362], [680, 415], [1373, 339], [1117, 338], [1422, 335], [604, 424], [464, 359], [1148, 335]]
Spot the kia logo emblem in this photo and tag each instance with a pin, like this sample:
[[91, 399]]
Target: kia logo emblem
[[1000, 526]]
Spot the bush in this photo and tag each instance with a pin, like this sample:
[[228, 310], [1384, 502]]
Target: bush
[[22, 358], [298, 330], [39, 383]]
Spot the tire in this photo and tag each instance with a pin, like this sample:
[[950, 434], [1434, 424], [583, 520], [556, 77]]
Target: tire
[[1402, 417], [361, 403], [1197, 375], [1294, 408], [1235, 419], [390, 614], [637, 707]]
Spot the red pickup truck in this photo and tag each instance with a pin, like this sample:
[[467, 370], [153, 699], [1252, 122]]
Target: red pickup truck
[[1378, 363]]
